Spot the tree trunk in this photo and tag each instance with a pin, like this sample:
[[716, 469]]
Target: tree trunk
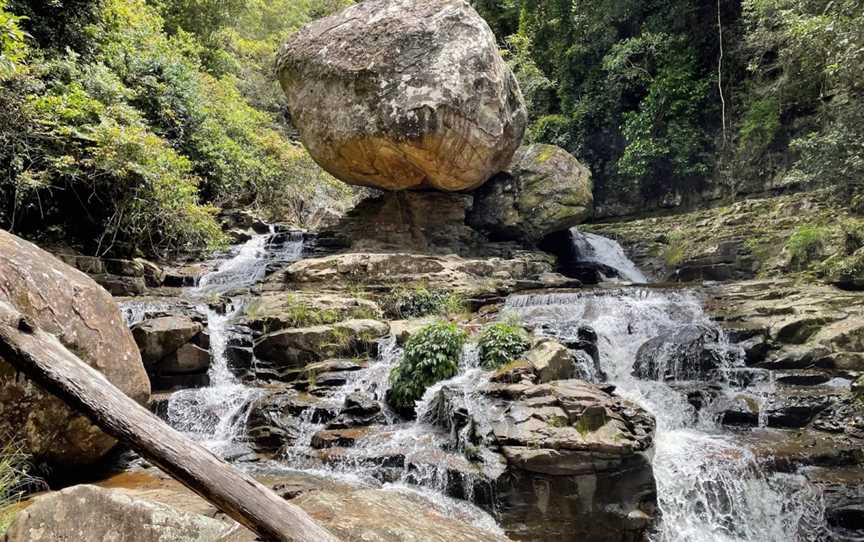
[[46, 361]]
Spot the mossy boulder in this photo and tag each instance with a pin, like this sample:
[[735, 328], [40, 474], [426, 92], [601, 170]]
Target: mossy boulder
[[544, 190]]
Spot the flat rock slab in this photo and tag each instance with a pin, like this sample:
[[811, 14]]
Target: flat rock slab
[[91, 514]]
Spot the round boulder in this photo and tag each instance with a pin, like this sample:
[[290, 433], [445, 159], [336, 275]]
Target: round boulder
[[400, 94], [544, 190], [84, 317]]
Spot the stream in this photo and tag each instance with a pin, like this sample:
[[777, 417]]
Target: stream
[[710, 486]]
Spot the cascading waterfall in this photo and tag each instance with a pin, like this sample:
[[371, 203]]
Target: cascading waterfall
[[420, 443], [596, 249], [248, 265], [710, 487], [216, 415]]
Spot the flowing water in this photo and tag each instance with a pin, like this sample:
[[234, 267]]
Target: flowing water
[[596, 249], [248, 264], [216, 415], [710, 487]]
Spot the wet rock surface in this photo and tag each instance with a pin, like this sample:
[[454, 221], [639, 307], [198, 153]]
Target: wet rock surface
[[688, 353]]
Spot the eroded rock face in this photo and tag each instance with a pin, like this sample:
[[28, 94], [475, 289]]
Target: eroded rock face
[[68, 304], [544, 190], [159, 337], [403, 95], [474, 276], [576, 457], [295, 347], [89, 513]]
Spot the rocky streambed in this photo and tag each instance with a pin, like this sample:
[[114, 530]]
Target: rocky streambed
[[675, 413]]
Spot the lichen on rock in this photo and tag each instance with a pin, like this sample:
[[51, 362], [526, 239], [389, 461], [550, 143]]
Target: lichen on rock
[[403, 95]]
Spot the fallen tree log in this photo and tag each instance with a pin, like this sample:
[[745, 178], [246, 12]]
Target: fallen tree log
[[47, 362]]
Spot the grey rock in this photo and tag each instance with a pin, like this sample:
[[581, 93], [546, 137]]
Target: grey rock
[[398, 94]]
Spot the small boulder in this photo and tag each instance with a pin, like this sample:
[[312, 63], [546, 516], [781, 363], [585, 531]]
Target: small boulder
[[189, 358], [551, 360], [403, 95], [159, 337], [343, 438], [544, 190], [87, 513], [297, 347]]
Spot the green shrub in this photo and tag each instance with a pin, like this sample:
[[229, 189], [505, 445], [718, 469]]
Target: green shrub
[[421, 301], [13, 477], [431, 355], [805, 244], [502, 343], [676, 249]]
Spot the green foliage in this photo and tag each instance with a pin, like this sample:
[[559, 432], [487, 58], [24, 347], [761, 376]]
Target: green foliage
[[12, 46], [502, 343], [805, 245], [419, 301], [760, 124], [676, 249], [123, 132], [633, 88], [537, 89], [431, 355], [13, 479]]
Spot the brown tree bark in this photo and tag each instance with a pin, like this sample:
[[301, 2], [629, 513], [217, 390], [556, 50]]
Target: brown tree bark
[[47, 362]]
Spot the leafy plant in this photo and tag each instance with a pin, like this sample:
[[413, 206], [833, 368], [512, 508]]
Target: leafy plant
[[431, 355], [502, 343], [805, 244], [12, 46]]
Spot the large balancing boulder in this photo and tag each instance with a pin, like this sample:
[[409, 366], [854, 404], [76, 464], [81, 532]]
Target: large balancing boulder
[[544, 190], [69, 304], [404, 94]]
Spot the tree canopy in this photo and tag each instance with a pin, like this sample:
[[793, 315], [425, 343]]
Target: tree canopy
[[128, 124]]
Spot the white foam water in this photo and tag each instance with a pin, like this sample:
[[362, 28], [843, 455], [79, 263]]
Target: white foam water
[[596, 249], [215, 415], [710, 487], [248, 263]]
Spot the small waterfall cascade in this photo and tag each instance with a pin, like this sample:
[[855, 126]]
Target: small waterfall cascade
[[608, 253], [414, 457], [372, 380], [249, 262], [710, 486], [214, 415]]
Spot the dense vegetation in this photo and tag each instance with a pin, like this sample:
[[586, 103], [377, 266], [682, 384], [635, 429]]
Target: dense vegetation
[[501, 343], [431, 355], [128, 124], [419, 300], [668, 97]]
